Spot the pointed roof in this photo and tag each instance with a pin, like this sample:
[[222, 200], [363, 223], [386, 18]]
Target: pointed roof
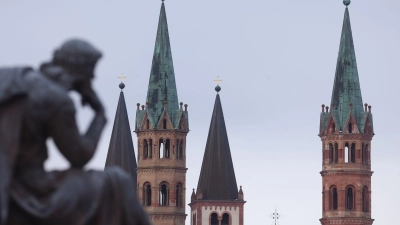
[[162, 86], [121, 152], [346, 88], [217, 177]]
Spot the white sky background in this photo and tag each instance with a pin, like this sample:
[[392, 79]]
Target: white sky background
[[277, 61]]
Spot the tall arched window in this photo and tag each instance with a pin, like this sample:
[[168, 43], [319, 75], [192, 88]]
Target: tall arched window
[[350, 198], [194, 219], [150, 152], [365, 199], [161, 149], [350, 128], [225, 219], [167, 149], [145, 149], [147, 124], [164, 124], [333, 198], [181, 150], [335, 153], [163, 199], [353, 153], [346, 152], [367, 156], [214, 219], [179, 195], [147, 194], [333, 129], [331, 153]]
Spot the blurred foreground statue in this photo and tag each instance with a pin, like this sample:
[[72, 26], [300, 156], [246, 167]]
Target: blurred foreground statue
[[35, 106]]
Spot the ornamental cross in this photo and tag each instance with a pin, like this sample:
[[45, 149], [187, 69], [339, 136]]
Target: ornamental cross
[[218, 81], [275, 216], [122, 77]]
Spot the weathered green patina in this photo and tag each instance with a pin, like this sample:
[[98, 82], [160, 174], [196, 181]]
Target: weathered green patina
[[162, 86], [346, 88]]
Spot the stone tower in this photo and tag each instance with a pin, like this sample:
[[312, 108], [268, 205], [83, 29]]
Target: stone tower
[[217, 200], [161, 128], [346, 131]]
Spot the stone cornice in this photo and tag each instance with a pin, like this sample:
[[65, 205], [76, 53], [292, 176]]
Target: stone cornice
[[328, 137], [159, 216], [161, 169], [347, 221], [339, 173], [161, 132]]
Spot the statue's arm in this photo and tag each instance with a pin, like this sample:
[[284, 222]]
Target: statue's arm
[[78, 149]]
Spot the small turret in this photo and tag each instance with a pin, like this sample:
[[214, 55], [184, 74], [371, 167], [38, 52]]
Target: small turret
[[240, 194]]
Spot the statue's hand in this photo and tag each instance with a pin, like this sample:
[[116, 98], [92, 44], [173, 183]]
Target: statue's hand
[[90, 97]]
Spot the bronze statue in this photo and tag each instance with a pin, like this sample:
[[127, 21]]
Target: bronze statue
[[35, 106]]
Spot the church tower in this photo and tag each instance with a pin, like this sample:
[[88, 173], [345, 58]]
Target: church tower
[[346, 131], [161, 128], [217, 200]]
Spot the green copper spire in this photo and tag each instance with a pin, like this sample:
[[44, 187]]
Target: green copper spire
[[162, 85], [346, 88]]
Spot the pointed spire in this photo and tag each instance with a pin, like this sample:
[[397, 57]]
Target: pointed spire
[[217, 177], [162, 86], [346, 87], [121, 152]]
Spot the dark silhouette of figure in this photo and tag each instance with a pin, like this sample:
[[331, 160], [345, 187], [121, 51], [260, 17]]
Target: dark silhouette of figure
[[35, 106]]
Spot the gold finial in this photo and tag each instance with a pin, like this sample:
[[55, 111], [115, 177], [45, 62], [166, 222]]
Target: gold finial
[[218, 81], [122, 77]]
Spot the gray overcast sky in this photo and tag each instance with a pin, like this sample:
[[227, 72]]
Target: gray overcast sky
[[277, 61]]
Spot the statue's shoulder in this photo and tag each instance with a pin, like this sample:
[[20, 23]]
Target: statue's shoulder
[[44, 92], [12, 82]]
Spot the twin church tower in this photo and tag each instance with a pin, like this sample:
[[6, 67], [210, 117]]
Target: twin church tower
[[162, 125]]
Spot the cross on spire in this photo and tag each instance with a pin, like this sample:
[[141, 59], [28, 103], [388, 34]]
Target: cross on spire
[[122, 77], [218, 81]]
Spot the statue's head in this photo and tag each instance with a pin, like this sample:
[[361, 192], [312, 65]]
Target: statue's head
[[78, 58]]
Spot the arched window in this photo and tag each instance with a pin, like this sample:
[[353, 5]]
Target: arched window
[[335, 153], [150, 152], [163, 199], [181, 150], [333, 129], [145, 149], [164, 124], [147, 194], [194, 219], [366, 154], [350, 128], [346, 152], [179, 195], [147, 124], [214, 219], [353, 153], [331, 153], [225, 219], [161, 149], [350, 198], [333, 198], [365, 199], [167, 149]]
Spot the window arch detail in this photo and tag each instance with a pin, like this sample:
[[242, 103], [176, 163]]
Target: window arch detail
[[350, 193], [147, 194], [163, 196], [333, 198]]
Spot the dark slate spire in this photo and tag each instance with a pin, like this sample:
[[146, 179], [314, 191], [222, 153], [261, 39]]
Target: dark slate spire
[[162, 85], [217, 177], [121, 152], [346, 88]]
